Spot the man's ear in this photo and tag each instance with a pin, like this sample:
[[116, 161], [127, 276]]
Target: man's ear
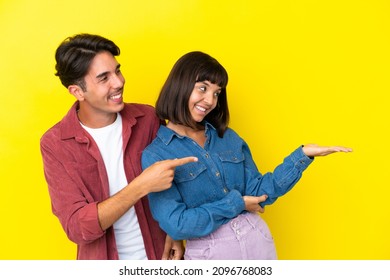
[[76, 91]]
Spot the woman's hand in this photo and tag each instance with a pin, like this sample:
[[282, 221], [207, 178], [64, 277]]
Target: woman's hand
[[252, 203], [173, 250], [313, 150]]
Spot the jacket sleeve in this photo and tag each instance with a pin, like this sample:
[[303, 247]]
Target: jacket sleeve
[[280, 181], [74, 207], [181, 222]]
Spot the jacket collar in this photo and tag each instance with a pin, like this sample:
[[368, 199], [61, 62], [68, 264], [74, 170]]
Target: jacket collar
[[166, 134], [71, 128]]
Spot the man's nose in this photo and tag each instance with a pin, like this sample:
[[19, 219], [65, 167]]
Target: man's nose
[[117, 81]]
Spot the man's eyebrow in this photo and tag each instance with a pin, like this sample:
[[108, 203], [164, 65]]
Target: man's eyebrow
[[101, 75]]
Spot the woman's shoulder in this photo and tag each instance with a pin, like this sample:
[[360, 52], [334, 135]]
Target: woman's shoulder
[[230, 132]]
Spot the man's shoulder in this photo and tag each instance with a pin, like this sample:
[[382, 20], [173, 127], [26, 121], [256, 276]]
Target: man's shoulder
[[66, 123], [139, 112], [51, 138], [52, 131], [138, 108]]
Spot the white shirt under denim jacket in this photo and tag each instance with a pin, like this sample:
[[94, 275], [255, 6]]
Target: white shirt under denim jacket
[[208, 193]]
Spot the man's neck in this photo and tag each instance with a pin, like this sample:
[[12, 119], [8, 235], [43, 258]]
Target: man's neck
[[96, 120]]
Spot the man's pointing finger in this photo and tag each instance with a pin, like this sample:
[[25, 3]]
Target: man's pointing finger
[[181, 161]]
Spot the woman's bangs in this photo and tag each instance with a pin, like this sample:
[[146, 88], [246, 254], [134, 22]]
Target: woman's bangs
[[216, 75]]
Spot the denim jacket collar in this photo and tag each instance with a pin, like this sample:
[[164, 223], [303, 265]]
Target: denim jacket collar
[[166, 134]]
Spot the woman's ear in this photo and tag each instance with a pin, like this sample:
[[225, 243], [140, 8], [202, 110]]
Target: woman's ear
[[76, 91]]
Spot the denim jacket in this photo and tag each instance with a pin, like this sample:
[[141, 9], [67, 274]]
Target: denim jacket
[[208, 193]]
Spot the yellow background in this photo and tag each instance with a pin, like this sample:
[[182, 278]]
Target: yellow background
[[301, 71]]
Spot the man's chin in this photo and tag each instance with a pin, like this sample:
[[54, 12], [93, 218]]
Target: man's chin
[[118, 106]]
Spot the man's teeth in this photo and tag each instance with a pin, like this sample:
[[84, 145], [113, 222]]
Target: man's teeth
[[116, 96]]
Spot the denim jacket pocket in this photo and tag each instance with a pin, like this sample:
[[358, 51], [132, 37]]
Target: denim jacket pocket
[[189, 171], [191, 180], [233, 168]]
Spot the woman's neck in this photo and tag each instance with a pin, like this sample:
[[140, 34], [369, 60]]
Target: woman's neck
[[197, 135]]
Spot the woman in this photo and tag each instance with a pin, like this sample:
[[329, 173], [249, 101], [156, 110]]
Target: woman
[[213, 202]]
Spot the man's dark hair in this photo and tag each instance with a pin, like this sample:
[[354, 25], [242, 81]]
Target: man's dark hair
[[75, 54]]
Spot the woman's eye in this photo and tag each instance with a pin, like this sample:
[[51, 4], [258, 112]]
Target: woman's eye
[[203, 89], [216, 94]]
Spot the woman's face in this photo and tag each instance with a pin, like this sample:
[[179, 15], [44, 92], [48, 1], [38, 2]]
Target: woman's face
[[203, 99]]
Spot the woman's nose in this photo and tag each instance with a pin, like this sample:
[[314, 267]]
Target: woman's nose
[[209, 97]]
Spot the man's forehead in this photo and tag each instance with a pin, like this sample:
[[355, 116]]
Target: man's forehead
[[103, 62]]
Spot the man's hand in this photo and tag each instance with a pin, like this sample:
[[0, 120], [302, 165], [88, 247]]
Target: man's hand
[[252, 203], [159, 176], [173, 250]]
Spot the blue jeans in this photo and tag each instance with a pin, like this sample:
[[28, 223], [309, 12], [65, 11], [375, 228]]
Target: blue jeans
[[246, 237]]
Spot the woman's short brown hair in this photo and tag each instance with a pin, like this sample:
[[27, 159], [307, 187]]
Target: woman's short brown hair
[[193, 67]]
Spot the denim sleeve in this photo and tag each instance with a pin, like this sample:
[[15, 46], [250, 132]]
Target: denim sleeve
[[182, 223], [280, 181]]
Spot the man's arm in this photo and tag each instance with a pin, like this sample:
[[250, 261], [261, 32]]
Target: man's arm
[[155, 178]]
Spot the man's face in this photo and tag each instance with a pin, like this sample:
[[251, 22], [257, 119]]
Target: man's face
[[104, 87]]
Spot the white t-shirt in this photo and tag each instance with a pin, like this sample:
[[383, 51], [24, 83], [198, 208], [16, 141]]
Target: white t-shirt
[[127, 231]]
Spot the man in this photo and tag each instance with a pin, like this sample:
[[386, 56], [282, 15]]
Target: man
[[92, 159]]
